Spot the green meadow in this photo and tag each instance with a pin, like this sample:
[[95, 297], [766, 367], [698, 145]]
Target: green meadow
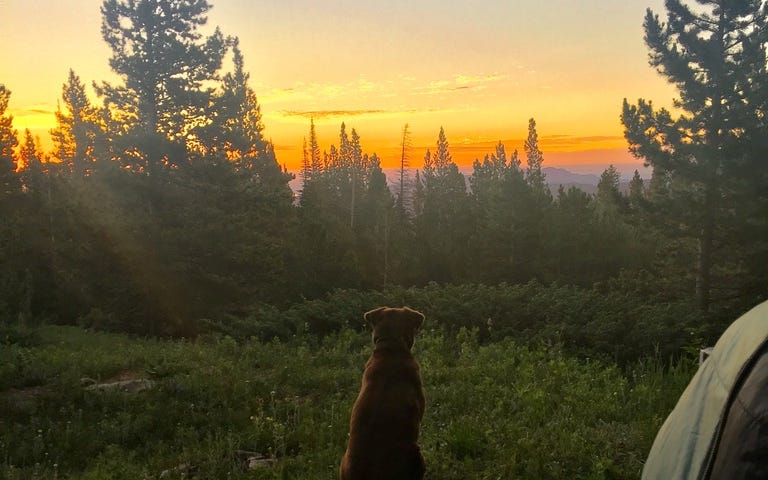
[[218, 408]]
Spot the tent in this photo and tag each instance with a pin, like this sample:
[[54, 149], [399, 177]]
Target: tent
[[719, 427]]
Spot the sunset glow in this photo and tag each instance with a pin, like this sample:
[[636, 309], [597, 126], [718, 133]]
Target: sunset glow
[[480, 70]]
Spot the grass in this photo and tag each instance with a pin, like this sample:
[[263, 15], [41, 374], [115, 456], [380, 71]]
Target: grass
[[497, 411]]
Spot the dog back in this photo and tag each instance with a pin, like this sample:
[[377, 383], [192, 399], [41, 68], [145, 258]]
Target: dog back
[[385, 420]]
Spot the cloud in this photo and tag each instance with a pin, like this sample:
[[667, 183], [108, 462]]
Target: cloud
[[323, 114], [301, 91], [326, 114], [571, 142], [549, 144], [460, 82], [475, 79], [362, 87], [34, 110]]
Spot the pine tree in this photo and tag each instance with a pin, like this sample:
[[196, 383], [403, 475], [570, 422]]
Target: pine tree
[[714, 53], [636, 189], [358, 168], [316, 165], [535, 158], [30, 163], [345, 150], [237, 126], [8, 142], [158, 54], [375, 226], [442, 158], [536, 205], [608, 186], [492, 213], [443, 221], [77, 136], [403, 182], [306, 170]]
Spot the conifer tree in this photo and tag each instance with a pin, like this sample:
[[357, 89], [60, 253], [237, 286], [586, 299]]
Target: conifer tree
[[77, 135], [636, 189], [358, 168], [443, 222], [402, 186], [8, 142], [306, 170], [315, 162], [608, 186], [237, 126], [714, 53], [30, 163], [163, 63], [535, 158]]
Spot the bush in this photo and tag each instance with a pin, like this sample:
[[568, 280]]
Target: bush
[[612, 324]]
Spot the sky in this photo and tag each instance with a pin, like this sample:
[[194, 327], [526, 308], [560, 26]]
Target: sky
[[478, 68]]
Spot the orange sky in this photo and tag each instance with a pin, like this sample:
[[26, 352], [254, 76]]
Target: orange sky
[[479, 69]]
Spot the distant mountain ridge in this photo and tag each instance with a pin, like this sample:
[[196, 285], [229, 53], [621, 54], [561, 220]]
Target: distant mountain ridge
[[555, 177]]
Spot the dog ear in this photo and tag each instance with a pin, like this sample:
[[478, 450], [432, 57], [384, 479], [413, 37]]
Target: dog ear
[[417, 318], [373, 316]]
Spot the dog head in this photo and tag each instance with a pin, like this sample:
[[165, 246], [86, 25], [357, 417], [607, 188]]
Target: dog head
[[394, 327]]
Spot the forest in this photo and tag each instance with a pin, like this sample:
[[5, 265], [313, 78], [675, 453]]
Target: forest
[[160, 235]]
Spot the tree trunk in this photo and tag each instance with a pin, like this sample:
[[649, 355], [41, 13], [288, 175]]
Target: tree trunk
[[704, 273]]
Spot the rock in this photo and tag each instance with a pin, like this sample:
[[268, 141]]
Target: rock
[[255, 460], [260, 461], [185, 470], [129, 386]]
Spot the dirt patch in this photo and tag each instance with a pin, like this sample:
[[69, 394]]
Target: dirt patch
[[127, 381], [19, 397]]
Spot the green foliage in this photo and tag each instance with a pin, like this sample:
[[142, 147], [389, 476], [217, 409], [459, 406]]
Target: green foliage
[[493, 411], [705, 158], [617, 321], [8, 142]]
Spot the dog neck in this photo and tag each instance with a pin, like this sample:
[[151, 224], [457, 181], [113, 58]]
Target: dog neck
[[390, 343]]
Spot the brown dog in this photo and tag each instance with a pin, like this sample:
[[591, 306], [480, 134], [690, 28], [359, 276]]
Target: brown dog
[[384, 427]]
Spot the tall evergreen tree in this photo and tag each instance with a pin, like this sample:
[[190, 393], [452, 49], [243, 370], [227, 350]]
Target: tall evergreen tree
[[443, 223], [535, 211], [493, 214], [535, 158], [311, 166], [313, 152], [164, 65], [714, 54], [609, 197], [30, 163], [403, 180], [8, 142], [77, 135], [636, 186], [358, 170], [236, 125], [306, 170], [375, 227]]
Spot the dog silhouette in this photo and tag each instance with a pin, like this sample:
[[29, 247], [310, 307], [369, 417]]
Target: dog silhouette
[[385, 420]]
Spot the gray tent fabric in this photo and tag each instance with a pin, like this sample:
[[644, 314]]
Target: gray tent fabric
[[742, 450], [685, 445]]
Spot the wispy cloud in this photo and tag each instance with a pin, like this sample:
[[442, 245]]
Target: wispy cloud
[[567, 142], [548, 143], [362, 87], [326, 114], [323, 114], [34, 110], [476, 79], [458, 83], [302, 91]]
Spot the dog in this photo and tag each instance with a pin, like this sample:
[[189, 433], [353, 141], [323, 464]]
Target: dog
[[385, 420]]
